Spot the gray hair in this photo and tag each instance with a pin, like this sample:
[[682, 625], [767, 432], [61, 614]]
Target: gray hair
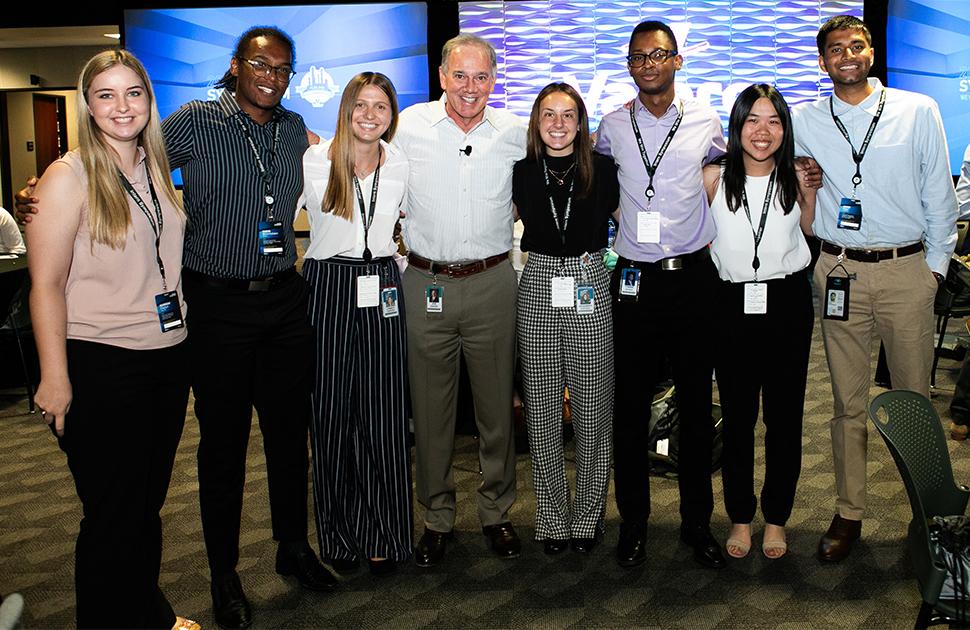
[[467, 39]]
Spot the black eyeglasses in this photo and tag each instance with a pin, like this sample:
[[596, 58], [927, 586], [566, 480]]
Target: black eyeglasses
[[657, 56], [283, 73]]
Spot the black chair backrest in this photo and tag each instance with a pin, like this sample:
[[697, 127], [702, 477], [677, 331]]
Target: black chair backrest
[[914, 435]]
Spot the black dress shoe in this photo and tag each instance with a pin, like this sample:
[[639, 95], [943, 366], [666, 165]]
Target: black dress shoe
[[631, 549], [299, 561], [552, 546], [382, 568], [584, 545], [229, 604], [430, 548], [707, 550], [502, 540], [343, 565]]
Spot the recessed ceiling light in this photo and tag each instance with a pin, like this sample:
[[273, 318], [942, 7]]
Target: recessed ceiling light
[[113, 35]]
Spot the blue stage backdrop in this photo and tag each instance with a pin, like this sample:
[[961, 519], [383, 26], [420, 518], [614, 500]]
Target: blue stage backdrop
[[929, 52], [187, 50], [727, 45]]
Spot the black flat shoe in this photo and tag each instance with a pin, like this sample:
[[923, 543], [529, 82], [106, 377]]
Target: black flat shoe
[[502, 540], [553, 546], [229, 604], [631, 549], [584, 545], [299, 561], [707, 551], [382, 568], [343, 565], [430, 549]]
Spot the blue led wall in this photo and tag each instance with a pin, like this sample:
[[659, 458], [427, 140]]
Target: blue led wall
[[727, 45]]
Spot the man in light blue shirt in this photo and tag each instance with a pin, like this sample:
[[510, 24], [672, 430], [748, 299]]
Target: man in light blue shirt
[[886, 215]]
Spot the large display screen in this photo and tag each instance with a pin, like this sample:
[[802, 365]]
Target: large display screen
[[727, 45], [186, 51], [929, 52]]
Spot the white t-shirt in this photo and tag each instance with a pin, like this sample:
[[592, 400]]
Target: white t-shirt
[[11, 241], [783, 249]]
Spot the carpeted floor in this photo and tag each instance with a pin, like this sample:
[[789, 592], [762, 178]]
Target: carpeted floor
[[874, 588]]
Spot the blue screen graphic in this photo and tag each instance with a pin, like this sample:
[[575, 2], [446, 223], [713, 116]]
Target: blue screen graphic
[[727, 45], [929, 52], [186, 51]]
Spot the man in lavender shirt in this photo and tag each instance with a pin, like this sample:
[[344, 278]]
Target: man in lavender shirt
[[660, 146]]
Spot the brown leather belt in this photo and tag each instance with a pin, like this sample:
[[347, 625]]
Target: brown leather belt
[[456, 270], [871, 255]]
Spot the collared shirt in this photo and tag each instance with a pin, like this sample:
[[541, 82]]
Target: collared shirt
[[963, 186], [685, 218], [459, 206], [224, 194], [906, 190], [331, 235]]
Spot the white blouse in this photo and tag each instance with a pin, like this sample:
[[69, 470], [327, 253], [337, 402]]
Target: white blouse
[[783, 249], [333, 236]]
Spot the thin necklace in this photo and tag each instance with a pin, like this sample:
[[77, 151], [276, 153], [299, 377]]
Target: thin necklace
[[560, 176]]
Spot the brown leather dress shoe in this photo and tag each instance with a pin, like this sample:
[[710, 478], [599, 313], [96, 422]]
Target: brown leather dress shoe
[[836, 544], [502, 540]]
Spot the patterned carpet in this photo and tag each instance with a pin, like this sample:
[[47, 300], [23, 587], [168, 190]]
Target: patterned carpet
[[874, 588]]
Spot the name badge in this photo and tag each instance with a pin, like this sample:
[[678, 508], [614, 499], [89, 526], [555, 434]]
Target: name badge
[[368, 291], [630, 282], [755, 298], [563, 291], [836, 298], [648, 227], [850, 214], [389, 306], [434, 298], [169, 311], [270, 238], [585, 299]]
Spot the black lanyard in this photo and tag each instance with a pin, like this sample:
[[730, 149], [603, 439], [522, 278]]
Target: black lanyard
[[264, 173], [155, 222], [367, 220], [652, 167], [555, 215], [755, 262], [861, 153]]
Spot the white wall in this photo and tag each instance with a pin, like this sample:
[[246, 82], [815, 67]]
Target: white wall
[[57, 67]]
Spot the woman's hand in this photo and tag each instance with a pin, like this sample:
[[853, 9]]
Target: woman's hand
[[54, 397]]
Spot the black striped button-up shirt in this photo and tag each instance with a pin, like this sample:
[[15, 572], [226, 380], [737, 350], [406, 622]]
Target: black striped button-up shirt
[[223, 191]]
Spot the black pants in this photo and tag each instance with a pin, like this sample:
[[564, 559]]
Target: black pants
[[763, 357], [673, 318], [249, 349], [120, 438], [960, 405]]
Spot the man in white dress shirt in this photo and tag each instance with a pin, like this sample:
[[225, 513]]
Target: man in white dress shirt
[[886, 215], [459, 289]]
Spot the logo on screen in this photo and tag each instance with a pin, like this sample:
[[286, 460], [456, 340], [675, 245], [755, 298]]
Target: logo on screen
[[317, 87]]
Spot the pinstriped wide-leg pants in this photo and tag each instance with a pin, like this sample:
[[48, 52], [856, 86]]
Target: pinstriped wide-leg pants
[[562, 348], [361, 469]]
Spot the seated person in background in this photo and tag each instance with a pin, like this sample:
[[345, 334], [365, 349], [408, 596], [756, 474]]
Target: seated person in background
[[11, 242]]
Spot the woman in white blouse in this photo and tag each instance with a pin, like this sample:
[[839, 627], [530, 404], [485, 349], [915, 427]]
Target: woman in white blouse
[[766, 313], [355, 186]]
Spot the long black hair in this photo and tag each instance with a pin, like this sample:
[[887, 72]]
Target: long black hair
[[734, 174]]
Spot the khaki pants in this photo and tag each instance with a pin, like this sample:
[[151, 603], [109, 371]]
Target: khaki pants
[[478, 320], [892, 299]]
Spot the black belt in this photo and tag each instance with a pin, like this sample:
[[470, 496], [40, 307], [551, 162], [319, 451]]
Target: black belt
[[871, 255], [673, 263], [456, 270], [239, 284]]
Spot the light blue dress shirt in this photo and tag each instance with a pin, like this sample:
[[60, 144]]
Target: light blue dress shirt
[[906, 190]]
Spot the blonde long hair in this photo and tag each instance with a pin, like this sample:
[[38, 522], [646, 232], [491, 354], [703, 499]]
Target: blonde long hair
[[108, 211], [339, 197]]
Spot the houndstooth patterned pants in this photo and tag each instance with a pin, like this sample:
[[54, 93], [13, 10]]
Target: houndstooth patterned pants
[[562, 348]]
